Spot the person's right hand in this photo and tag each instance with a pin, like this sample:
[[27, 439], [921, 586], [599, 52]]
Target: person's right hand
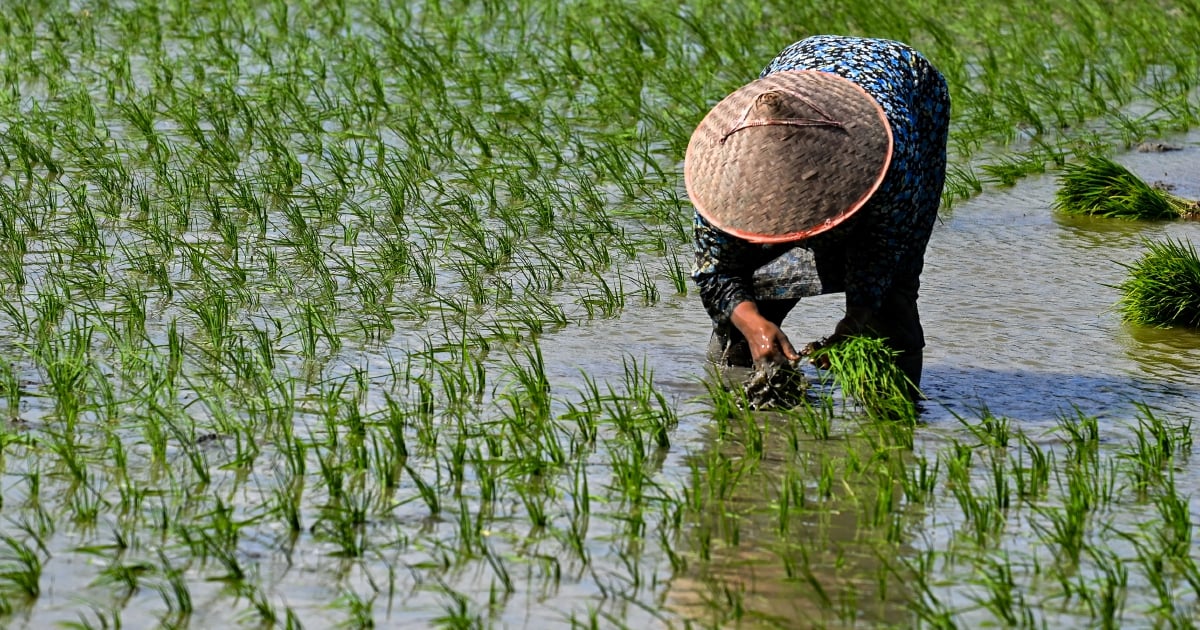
[[767, 342]]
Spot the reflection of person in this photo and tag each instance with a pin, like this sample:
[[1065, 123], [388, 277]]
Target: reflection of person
[[822, 176]]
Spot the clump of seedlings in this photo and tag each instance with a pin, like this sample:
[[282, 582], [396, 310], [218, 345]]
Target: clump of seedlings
[[865, 368], [1163, 288], [1098, 186]]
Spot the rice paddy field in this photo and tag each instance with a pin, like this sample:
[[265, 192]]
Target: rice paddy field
[[377, 314]]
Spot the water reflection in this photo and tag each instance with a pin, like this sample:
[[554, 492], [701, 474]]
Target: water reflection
[[810, 534], [1172, 354], [1077, 233], [1038, 398]]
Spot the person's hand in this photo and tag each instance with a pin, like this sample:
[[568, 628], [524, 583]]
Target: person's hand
[[767, 342], [853, 324]]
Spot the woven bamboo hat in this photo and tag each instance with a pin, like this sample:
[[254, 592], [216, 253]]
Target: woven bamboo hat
[[787, 156]]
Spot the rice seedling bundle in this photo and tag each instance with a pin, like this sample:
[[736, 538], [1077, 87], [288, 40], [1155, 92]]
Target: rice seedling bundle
[[1163, 288], [1098, 186], [865, 368]]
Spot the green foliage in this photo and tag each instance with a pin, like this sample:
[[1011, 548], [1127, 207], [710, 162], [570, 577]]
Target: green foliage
[[272, 275], [1163, 287], [1099, 186], [865, 368]]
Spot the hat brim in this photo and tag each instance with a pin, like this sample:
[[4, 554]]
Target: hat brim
[[790, 165]]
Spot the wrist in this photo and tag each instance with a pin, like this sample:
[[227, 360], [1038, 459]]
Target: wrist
[[855, 321], [746, 318], [859, 314]]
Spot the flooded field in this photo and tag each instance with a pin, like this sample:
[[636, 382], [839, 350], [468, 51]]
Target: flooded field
[[1019, 309], [376, 314]]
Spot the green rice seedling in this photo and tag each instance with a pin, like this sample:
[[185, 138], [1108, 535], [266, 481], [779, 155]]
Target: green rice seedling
[[104, 619], [12, 256], [1163, 286], [827, 478], [1099, 186], [1094, 480], [1010, 169], [1156, 448], [983, 513], [174, 592], [532, 386], [647, 286], [609, 302], [1004, 598], [879, 512], [456, 613], [71, 453], [66, 364], [1066, 526], [652, 411], [814, 416], [20, 570], [629, 464], [920, 479], [130, 575], [991, 430], [1131, 129], [1156, 570], [286, 501], [427, 492], [10, 389], [261, 609], [791, 493], [86, 505], [1083, 435], [534, 501], [385, 463], [1001, 492], [1033, 480], [1175, 533], [500, 570], [344, 519], [678, 275], [1107, 606], [725, 404]]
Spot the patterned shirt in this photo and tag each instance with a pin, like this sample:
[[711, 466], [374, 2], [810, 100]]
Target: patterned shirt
[[885, 240]]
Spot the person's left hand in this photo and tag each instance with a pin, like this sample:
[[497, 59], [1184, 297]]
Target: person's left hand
[[853, 324]]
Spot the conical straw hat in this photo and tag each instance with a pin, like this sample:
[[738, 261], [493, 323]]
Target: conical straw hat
[[787, 156]]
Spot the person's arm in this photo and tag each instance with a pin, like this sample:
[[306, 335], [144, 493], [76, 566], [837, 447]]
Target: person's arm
[[767, 341], [722, 271]]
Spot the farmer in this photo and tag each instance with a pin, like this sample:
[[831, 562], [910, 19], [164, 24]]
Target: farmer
[[822, 176]]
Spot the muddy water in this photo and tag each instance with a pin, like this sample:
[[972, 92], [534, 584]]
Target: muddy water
[[1018, 304]]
